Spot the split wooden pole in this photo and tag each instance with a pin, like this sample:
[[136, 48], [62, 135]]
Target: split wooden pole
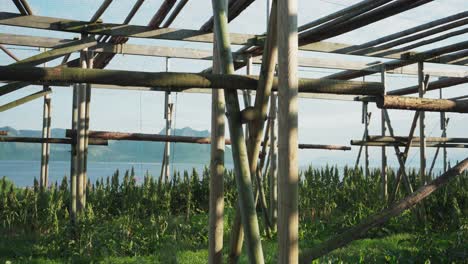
[[239, 148], [45, 147], [216, 210], [288, 170]]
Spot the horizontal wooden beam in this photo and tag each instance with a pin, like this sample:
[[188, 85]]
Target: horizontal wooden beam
[[422, 104], [199, 54], [177, 81], [405, 32], [107, 135], [442, 83], [98, 142], [117, 30], [407, 59], [402, 144], [400, 139], [24, 100], [327, 147], [58, 52], [123, 30]]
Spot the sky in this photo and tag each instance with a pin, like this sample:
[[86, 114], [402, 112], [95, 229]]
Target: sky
[[320, 121]]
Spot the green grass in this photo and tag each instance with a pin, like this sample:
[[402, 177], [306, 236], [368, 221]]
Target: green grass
[[396, 248]]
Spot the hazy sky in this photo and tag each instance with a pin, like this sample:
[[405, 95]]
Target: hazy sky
[[321, 122]]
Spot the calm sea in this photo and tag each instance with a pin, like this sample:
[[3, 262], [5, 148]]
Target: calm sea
[[22, 173]]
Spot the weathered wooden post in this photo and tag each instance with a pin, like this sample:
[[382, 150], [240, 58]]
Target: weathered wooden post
[[239, 149], [216, 225], [80, 138], [273, 164], [422, 141], [288, 175], [443, 126], [165, 169], [46, 123], [367, 117], [73, 156], [384, 154], [247, 94], [264, 87], [89, 64]]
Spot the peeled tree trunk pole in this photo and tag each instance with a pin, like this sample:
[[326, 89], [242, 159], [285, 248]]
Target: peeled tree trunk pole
[[176, 81], [216, 211], [422, 104], [381, 218], [45, 147], [265, 83], [239, 148], [288, 170], [73, 159]]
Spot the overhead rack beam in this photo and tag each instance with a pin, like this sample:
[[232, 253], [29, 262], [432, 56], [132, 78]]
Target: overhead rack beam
[[98, 142], [172, 80]]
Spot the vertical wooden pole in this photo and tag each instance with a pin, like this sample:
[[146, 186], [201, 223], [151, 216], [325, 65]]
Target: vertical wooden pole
[[238, 145], [80, 140], [46, 122], [90, 62], [443, 126], [264, 87], [445, 149], [288, 212], [73, 159], [384, 154], [422, 140], [247, 94], [45, 147], [165, 169], [273, 164], [216, 220], [367, 116]]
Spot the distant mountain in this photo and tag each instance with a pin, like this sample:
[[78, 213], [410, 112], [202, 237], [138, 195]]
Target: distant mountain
[[117, 151]]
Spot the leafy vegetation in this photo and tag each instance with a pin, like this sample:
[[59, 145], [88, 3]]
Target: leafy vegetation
[[128, 221]]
